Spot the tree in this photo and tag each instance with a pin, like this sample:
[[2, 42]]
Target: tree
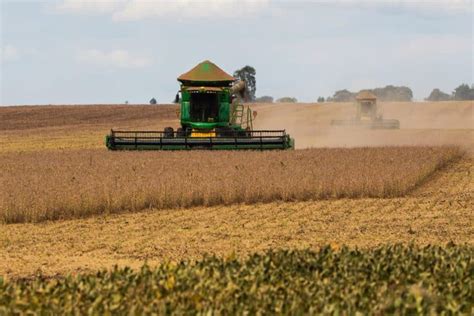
[[287, 100], [438, 95], [388, 93], [264, 99], [464, 92], [320, 99], [393, 93], [247, 74], [343, 96], [153, 101]]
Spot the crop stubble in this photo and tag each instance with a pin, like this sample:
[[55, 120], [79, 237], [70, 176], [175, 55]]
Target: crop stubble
[[436, 213]]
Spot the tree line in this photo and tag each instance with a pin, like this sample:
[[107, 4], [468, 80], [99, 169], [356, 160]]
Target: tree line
[[387, 93], [394, 94], [461, 93]]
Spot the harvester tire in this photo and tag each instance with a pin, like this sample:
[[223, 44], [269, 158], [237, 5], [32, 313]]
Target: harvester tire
[[188, 131], [169, 132], [180, 132]]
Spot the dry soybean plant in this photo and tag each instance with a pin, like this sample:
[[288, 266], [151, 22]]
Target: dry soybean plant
[[53, 185]]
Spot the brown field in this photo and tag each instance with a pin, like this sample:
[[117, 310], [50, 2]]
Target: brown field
[[36, 128], [53, 116], [33, 128], [54, 165], [60, 185], [421, 123], [436, 213]]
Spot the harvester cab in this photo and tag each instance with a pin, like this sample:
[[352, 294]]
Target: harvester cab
[[212, 116], [367, 110], [368, 114]]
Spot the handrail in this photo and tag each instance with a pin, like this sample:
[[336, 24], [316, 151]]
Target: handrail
[[113, 132]]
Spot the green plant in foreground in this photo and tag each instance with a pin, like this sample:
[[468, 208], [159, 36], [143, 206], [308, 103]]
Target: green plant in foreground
[[387, 279]]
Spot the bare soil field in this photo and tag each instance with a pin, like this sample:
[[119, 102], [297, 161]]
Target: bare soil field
[[59, 127], [52, 116], [436, 213]]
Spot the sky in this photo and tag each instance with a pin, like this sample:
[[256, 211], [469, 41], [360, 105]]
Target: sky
[[112, 51]]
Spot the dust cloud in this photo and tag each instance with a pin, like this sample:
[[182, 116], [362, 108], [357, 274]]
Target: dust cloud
[[421, 123]]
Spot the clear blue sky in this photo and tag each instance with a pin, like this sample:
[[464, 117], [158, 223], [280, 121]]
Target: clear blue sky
[[74, 51]]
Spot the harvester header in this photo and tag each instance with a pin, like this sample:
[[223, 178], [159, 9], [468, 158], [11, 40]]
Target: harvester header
[[211, 117]]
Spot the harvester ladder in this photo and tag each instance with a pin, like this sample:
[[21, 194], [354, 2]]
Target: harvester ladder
[[242, 116], [237, 114]]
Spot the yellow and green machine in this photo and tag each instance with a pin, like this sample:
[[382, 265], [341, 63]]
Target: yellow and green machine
[[212, 116], [368, 114]]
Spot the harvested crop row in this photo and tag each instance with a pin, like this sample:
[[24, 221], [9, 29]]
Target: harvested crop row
[[17, 118], [57, 185], [389, 279]]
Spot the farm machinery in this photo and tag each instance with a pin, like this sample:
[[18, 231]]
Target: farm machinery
[[212, 116], [368, 114]]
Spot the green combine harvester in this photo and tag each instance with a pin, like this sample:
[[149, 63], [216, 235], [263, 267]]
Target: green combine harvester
[[212, 117]]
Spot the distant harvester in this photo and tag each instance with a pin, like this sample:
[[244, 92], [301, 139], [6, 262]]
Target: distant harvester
[[368, 114]]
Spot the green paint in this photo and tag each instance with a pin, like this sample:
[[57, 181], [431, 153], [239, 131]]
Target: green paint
[[206, 105], [205, 67]]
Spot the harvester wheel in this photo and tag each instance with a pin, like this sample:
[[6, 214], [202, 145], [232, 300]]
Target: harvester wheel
[[180, 132], [169, 132]]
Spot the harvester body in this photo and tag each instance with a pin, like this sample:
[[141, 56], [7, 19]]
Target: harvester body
[[212, 116], [368, 114]]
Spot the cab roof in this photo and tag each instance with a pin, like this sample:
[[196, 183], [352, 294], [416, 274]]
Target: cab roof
[[206, 71], [366, 95]]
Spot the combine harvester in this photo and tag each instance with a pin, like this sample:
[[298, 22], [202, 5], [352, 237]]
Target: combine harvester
[[369, 114], [212, 117]]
